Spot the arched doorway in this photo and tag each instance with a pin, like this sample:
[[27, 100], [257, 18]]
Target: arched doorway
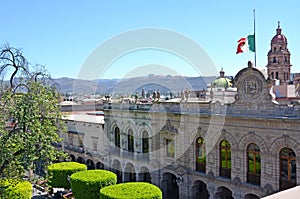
[[200, 190], [145, 175], [80, 160], [130, 175], [99, 165], [251, 196], [287, 158], [72, 157], [90, 164], [169, 186], [223, 193], [116, 168]]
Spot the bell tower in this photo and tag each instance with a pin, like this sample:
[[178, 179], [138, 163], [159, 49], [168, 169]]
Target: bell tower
[[279, 66]]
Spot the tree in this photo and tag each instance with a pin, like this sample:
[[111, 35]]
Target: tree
[[30, 116]]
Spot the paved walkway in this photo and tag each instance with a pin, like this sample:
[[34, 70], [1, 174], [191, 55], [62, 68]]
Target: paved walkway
[[38, 193]]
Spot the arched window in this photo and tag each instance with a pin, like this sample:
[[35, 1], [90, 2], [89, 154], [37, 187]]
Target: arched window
[[145, 145], [130, 141], [274, 59], [276, 75], [272, 75], [225, 159], [200, 155], [287, 168], [253, 164], [274, 49], [145, 142], [117, 137]]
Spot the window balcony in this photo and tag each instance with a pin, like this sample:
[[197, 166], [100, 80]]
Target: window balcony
[[200, 166]]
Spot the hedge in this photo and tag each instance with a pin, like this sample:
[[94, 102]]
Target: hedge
[[15, 189], [59, 173], [87, 184], [132, 190]]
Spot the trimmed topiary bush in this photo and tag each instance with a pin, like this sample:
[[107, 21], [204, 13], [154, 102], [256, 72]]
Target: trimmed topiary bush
[[15, 189], [132, 190], [58, 173], [87, 184]]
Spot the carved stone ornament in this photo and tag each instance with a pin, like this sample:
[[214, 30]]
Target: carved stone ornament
[[252, 87]]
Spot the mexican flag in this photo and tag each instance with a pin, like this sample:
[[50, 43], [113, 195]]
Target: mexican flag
[[246, 44]]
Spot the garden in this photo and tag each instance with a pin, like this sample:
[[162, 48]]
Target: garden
[[72, 180]]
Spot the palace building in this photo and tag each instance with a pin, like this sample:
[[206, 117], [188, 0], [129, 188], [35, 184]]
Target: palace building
[[245, 148]]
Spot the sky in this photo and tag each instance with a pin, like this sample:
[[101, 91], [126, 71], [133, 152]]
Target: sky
[[115, 39]]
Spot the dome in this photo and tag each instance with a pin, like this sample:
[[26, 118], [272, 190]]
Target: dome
[[279, 38], [221, 82]]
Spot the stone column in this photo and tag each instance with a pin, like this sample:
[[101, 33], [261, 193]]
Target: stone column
[[237, 194], [123, 174], [211, 190], [270, 175], [155, 178], [183, 190]]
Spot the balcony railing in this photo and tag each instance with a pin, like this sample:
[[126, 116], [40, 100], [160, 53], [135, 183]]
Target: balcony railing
[[143, 156], [253, 178], [286, 184], [114, 151], [128, 154], [225, 172], [78, 149]]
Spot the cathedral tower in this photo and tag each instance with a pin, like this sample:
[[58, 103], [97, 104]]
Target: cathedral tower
[[279, 66]]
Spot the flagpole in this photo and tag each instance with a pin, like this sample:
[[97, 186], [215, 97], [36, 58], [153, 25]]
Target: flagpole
[[254, 38]]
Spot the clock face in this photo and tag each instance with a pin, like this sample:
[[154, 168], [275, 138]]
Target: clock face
[[252, 87]]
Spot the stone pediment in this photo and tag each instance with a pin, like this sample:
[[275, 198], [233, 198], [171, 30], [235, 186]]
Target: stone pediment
[[253, 98], [253, 90]]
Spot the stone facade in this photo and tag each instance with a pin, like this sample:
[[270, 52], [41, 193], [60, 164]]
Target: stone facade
[[159, 143]]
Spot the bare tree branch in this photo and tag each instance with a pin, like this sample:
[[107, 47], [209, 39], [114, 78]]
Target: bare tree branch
[[13, 58]]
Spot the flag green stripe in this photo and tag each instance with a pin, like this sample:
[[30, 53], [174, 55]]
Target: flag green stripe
[[251, 43]]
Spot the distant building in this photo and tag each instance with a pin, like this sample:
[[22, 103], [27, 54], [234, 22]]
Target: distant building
[[296, 82], [221, 90], [279, 66]]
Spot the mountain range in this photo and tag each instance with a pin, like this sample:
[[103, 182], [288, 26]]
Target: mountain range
[[129, 86]]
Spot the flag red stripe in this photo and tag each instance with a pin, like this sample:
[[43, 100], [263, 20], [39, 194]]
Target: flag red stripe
[[241, 42], [242, 39]]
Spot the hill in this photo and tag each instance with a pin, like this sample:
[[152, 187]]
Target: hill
[[164, 84]]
